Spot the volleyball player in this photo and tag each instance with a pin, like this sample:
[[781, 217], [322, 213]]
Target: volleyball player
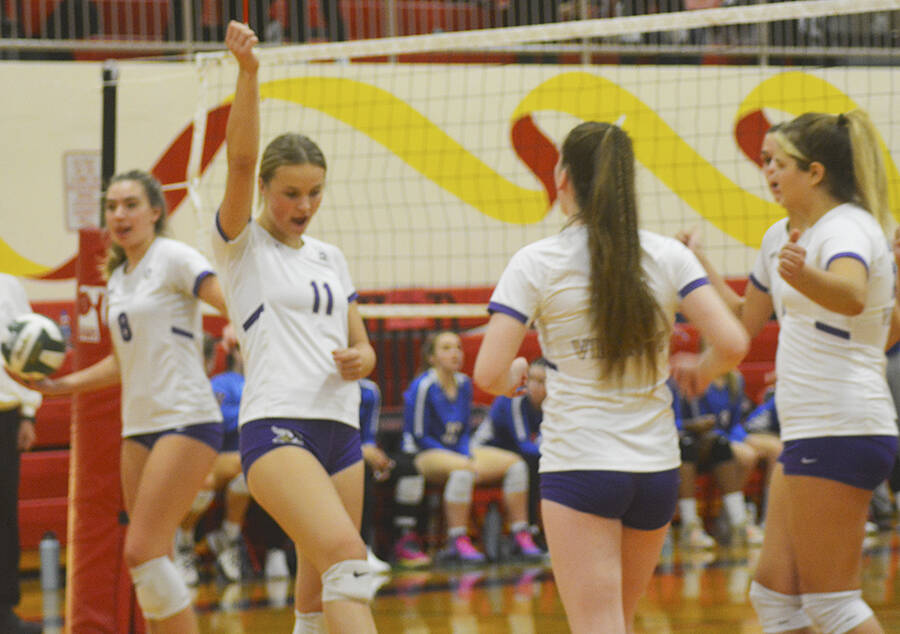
[[514, 424], [603, 297], [171, 423], [436, 427], [305, 347], [827, 272]]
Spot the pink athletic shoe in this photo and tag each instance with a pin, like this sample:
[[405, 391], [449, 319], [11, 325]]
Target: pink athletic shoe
[[408, 552], [462, 550], [526, 546]]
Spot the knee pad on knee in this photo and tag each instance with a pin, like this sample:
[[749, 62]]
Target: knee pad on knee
[[309, 623], [515, 480], [160, 589], [238, 485], [410, 489], [778, 612], [458, 489], [348, 580], [836, 612], [202, 501]]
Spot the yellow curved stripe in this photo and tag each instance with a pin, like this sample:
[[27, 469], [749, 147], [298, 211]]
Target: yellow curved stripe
[[742, 215], [14, 264], [796, 92], [421, 144]]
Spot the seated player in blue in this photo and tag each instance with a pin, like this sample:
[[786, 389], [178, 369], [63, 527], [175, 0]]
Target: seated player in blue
[[760, 430], [704, 424], [226, 475], [436, 428], [396, 471], [514, 424]]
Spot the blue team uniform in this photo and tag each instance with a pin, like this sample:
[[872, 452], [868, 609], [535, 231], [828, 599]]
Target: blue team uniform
[[431, 420], [727, 403], [228, 387], [513, 424], [764, 418], [369, 407]]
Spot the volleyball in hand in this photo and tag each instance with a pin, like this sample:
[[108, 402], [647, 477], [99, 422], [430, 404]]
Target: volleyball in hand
[[33, 347]]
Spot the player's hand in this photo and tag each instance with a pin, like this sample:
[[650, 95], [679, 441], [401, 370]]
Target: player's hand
[[687, 374], [518, 374], [690, 238], [379, 462], [240, 40], [229, 337], [792, 259], [349, 363], [26, 436]]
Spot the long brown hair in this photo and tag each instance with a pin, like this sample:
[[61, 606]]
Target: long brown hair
[[626, 319], [847, 145], [115, 255]]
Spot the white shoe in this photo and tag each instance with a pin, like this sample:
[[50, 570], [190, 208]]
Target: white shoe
[[229, 561], [377, 565], [276, 564], [693, 536], [186, 562]]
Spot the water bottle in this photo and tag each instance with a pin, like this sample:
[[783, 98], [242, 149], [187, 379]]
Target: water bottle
[[65, 327], [49, 549]]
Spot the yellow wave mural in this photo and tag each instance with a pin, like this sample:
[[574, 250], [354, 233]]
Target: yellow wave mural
[[422, 145]]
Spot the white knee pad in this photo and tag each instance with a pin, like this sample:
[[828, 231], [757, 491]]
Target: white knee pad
[[458, 489], [160, 589], [515, 480], [410, 489], [309, 623], [348, 580], [202, 500], [836, 612], [778, 612], [238, 485]]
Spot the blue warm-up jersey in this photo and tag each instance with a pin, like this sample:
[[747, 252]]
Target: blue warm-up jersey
[[513, 424], [228, 387], [433, 421], [726, 403], [369, 408]]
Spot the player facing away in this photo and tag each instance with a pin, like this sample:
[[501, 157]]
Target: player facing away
[[603, 297], [171, 423], [827, 273], [305, 347]]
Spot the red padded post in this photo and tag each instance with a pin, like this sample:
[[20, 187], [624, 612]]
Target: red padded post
[[98, 588]]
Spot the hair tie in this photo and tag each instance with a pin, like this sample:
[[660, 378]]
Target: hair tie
[[842, 119]]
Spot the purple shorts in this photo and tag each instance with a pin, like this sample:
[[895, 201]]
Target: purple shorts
[[645, 501], [860, 461], [207, 433], [231, 442], [334, 444]]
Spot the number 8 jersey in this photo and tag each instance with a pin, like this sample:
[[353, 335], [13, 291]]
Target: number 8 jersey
[[156, 326], [289, 310]]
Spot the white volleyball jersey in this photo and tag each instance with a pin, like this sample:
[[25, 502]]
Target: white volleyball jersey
[[156, 326], [591, 422], [289, 310], [831, 367]]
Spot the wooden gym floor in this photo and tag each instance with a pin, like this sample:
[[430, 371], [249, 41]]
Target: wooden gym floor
[[697, 592]]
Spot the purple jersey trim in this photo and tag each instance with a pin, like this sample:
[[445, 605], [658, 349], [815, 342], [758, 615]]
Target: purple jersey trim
[[757, 283], [219, 227], [182, 332], [831, 330], [253, 317], [846, 254], [353, 298], [199, 281], [702, 281], [494, 307]]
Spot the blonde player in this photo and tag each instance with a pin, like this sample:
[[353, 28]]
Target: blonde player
[[828, 274], [603, 297], [171, 423], [305, 346]]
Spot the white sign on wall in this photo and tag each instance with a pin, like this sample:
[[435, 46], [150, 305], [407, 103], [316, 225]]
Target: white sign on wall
[[81, 173]]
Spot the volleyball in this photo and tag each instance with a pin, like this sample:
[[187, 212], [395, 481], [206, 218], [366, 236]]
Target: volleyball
[[34, 346]]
